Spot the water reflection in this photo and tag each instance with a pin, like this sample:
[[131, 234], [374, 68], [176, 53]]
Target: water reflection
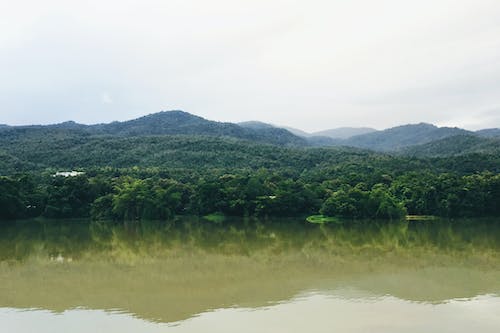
[[172, 272]]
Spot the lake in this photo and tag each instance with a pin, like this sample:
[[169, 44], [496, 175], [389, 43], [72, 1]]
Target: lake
[[242, 275]]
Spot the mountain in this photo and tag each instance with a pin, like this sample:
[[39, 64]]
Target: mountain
[[323, 141], [489, 132], [172, 123], [297, 132], [455, 146], [257, 125], [71, 125], [177, 139], [334, 133], [344, 132], [59, 149], [166, 123], [71, 150], [388, 140], [330, 137], [397, 138], [183, 123]]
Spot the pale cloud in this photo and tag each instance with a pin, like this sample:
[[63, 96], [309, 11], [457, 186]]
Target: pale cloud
[[311, 64], [106, 99], [475, 120]]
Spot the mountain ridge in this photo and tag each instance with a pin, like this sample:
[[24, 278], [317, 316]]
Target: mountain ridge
[[174, 122], [455, 146], [399, 137], [177, 122], [344, 132]]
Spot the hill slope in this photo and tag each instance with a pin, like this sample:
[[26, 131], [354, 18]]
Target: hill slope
[[180, 122], [68, 150], [255, 125], [397, 138], [489, 132], [173, 123], [165, 123], [334, 133], [36, 148], [344, 132], [297, 132], [454, 146]]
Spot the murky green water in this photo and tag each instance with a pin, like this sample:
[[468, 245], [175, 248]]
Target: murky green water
[[191, 275]]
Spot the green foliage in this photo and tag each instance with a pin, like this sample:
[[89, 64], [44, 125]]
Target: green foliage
[[354, 202], [143, 194], [10, 199], [69, 197], [20, 197], [448, 194], [383, 205], [38, 149], [136, 199], [135, 172]]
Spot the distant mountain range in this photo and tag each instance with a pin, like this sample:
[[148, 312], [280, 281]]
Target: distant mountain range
[[396, 138], [334, 133], [413, 139]]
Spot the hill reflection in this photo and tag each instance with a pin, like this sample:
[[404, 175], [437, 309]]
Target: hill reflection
[[167, 272]]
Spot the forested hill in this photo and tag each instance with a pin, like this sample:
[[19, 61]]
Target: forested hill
[[414, 139], [160, 165], [456, 145], [423, 140], [162, 123], [333, 133], [399, 137], [489, 132], [157, 177], [63, 149]]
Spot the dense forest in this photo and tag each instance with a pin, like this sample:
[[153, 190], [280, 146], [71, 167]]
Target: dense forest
[[139, 193], [41, 149], [174, 163]]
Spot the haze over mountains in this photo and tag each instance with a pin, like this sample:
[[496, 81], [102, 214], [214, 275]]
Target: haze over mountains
[[395, 139], [414, 139], [334, 133]]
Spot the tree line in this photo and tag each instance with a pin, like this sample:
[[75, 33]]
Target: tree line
[[359, 192]]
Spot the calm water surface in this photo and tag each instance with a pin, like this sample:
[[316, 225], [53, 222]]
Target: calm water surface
[[192, 275]]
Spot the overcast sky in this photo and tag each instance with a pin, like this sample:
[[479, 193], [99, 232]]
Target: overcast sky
[[312, 64]]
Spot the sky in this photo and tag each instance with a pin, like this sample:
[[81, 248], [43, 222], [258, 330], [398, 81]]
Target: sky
[[312, 64]]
